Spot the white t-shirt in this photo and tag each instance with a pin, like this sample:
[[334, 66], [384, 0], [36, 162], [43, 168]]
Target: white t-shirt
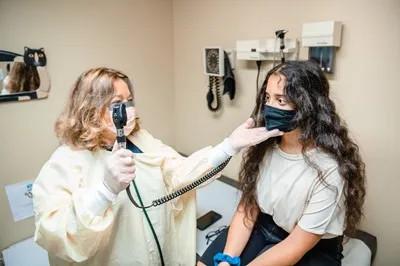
[[290, 191]]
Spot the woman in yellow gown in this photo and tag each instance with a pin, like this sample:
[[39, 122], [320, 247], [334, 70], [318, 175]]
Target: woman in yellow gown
[[82, 216]]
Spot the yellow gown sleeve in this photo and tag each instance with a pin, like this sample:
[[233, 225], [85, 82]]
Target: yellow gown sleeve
[[179, 171], [64, 226]]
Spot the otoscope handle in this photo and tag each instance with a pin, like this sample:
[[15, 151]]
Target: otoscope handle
[[119, 118], [121, 139], [122, 145]]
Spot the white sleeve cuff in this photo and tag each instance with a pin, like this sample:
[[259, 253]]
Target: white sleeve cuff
[[221, 153], [98, 199], [228, 148], [106, 192]]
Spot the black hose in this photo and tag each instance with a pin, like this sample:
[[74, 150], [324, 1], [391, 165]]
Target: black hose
[[147, 218]]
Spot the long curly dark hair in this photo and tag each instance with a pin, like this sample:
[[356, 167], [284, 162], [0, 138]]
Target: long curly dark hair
[[307, 88]]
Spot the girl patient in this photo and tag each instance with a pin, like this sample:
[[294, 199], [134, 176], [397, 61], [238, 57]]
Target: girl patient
[[301, 191]]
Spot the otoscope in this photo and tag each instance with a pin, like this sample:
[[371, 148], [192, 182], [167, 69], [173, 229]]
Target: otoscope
[[281, 35], [120, 118]]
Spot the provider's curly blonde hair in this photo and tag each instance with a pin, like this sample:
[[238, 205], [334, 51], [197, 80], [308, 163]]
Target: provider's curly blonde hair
[[81, 124]]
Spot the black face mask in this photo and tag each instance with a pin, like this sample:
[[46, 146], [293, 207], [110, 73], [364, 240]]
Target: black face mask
[[279, 118]]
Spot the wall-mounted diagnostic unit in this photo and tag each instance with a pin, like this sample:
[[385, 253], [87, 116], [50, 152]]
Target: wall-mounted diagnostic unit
[[265, 49], [218, 67]]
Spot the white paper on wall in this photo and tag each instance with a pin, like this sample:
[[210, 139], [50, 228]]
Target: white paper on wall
[[20, 199]]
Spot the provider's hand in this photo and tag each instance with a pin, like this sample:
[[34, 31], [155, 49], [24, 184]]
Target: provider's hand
[[120, 170], [247, 135]]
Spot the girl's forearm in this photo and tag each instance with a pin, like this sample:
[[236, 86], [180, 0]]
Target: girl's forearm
[[238, 233]]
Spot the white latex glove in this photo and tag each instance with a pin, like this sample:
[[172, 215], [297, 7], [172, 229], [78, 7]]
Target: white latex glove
[[247, 135], [120, 170]]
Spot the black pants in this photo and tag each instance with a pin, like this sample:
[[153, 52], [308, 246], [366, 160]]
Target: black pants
[[266, 234]]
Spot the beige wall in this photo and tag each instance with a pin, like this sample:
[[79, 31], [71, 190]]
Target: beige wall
[[133, 36], [365, 86], [159, 43]]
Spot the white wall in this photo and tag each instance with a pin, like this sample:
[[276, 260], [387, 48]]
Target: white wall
[[133, 36], [364, 87]]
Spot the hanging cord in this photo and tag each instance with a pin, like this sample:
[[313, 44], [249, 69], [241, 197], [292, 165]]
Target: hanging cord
[[210, 95], [147, 218], [258, 72], [274, 58]]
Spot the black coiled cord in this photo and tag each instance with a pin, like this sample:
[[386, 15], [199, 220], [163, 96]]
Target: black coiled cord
[[180, 191], [210, 95]]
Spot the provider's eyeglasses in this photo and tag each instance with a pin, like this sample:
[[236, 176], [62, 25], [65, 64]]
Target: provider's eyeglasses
[[213, 234]]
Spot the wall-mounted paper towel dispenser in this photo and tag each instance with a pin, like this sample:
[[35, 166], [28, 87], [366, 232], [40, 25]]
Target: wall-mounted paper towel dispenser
[[322, 38]]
